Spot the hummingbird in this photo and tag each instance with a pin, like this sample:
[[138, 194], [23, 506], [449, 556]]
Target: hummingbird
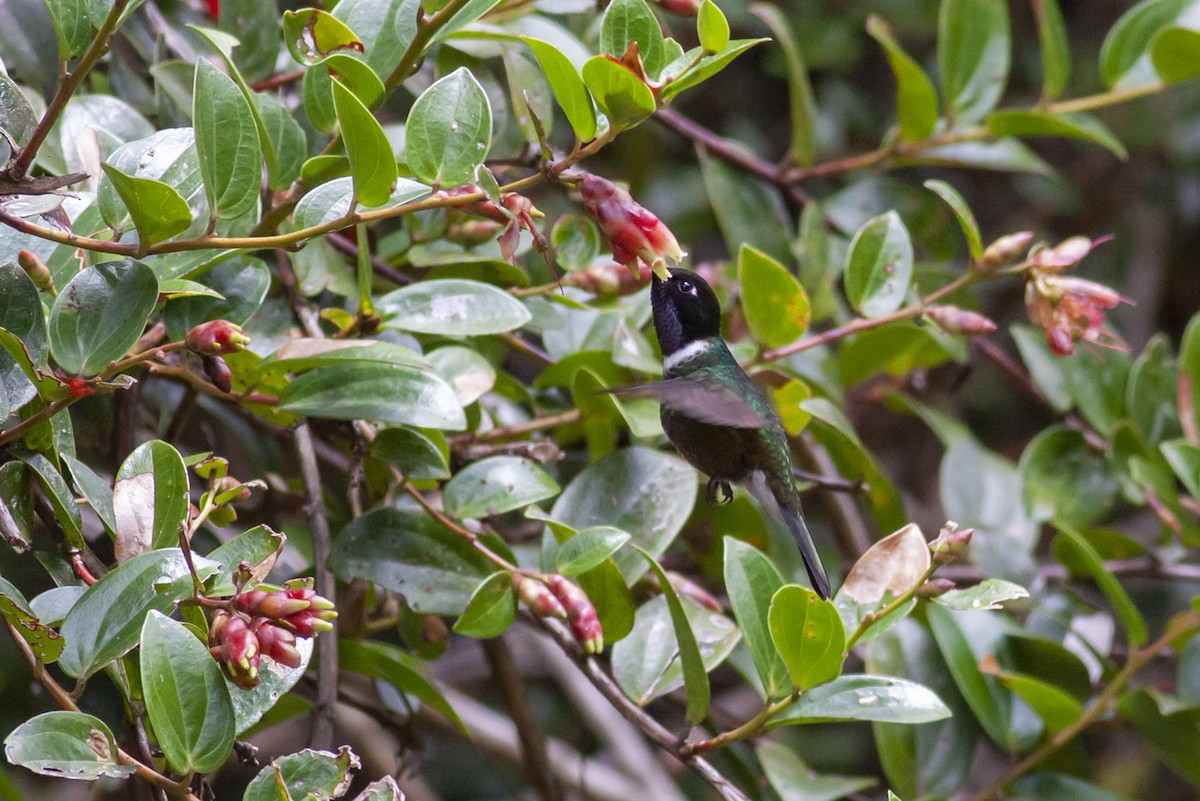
[[716, 416]]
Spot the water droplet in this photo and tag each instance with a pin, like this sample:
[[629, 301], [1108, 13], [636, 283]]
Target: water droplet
[[454, 125], [480, 146], [869, 698]]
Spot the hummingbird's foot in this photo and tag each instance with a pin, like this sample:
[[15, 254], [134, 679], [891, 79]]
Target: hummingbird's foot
[[719, 492]]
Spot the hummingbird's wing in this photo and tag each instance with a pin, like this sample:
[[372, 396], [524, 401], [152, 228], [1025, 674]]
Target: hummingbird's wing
[[700, 396]]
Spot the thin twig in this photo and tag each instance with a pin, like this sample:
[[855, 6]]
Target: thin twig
[[518, 429]]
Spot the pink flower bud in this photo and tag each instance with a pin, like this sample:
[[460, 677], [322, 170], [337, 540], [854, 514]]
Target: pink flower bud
[[633, 231], [581, 614], [684, 8], [538, 598], [1065, 254], [950, 543], [687, 588], [217, 336], [276, 642], [218, 373], [935, 587], [1004, 250], [960, 321], [236, 647]]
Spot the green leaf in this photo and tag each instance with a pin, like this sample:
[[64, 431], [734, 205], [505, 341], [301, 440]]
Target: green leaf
[[1152, 395], [605, 588], [801, 104], [629, 21], [285, 139], [241, 282], [17, 118], [1057, 708], [1184, 459], [256, 24], [413, 452], [410, 553], [567, 86], [749, 212], [705, 68], [449, 130], [107, 620], [647, 664], [66, 509], [392, 393], [159, 211], [149, 499], [332, 201], [491, 610], [864, 697], [495, 485], [250, 706], [588, 549], [897, 349], [1056, 50], [623, 97], [372, 163], [808, 635], [988, 594], [66, 745], [795, 781], [469, 373], [1124, 55], [309, 774], [962, 212], [1005, 155], [167, 157], [695, 674], [973, 56], [1175, 52], [259, 548], [100, 314], [72, 26], [982, 693], [916, 99], [751, 580], [1044, 367], [1127, 612], [451, 307], [1073, 125], [879, 267], [44, 641], [1172, 738], [186, 697], [775, 305], [226, 142], [644, 492], [1064, 479], [1061, 787], [712, 27], [21, 316], [402, 670], [312, 35]]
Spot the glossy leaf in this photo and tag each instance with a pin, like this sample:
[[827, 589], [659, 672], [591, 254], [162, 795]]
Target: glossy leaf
[[567, 86], [392, 393], [149, 499], [258, 547], [491, 610], [1152, 395], [66, 745], [401, 669], [775, 305], [452, 306], [973, 56], [749, 212], [626, 22], [44, 641], [1127, 612], [1124, 54], [471, 11], [372, 163], [808, 635], [415, 454], [892, 566], [467, 371], [495, 485], [449, 130], [751, 580], [1057, 708], [107, 620], [226, 142], [646, 493], [864, 697], [879, 267], [1044, 786], [795, 781], [100, 314], [306, 774], [1184, 459], [386, 28], [801, 104], [312, 35], [21, 316], [623, 97], [408, 552], [72, 26], [712, 27], [332, 200], [988, 594], [1172, 738], [916, 99], [1042, 123], [588, 549], [158, 211], [962, 213], [706, 67], [1174, 52], [1064, 480], [1056, 50], [186, 697]]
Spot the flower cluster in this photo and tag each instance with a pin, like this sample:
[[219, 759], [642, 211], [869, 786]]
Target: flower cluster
[[633, 231], [557, 597], [514, 213], [1069, 309], [266, 623]]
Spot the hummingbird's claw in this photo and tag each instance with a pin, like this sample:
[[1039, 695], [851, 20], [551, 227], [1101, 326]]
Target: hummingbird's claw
[[719, 492]]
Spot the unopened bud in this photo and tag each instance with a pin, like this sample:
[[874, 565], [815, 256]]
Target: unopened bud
[[537, 597], [960, 321], [218, 373], [581, 613], [37, 271], [950, 543], [1004, 250], [276, 642], [233, 644], [684, 8], [935, 587], [216, 337], [1065, 254]]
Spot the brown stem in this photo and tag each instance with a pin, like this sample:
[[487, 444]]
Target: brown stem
[[66, 88], [41, 415], [518, 429], [449, 523]]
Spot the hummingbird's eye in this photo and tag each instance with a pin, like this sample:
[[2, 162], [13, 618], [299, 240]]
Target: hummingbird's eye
[[686, 286]]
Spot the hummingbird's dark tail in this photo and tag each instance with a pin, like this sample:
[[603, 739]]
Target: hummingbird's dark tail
[[812, 562]]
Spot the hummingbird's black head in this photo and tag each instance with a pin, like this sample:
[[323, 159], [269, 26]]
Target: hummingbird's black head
[[685, 310]]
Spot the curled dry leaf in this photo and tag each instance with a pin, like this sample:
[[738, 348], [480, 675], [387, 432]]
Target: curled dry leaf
[[895, 564]]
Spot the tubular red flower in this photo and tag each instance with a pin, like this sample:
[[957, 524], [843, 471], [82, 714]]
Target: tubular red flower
[[217, 337], [581, 613], [633, 231]]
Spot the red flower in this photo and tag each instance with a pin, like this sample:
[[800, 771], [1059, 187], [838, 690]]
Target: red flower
[[1072, 310], [217, 336], [633, 230]]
